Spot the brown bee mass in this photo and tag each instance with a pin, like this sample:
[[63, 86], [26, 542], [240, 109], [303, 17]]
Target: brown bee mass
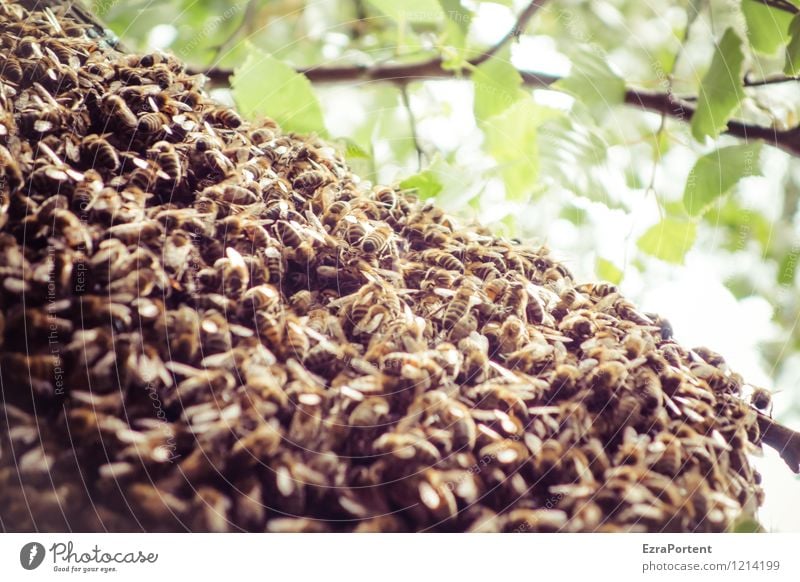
[[210, 325]]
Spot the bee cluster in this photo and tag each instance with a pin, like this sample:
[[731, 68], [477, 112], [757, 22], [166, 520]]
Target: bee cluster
[[207, 324]]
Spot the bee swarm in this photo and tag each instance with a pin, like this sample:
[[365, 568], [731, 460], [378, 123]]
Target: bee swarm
[[209, 325]]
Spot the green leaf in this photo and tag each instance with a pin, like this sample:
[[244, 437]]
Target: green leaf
[[593, 82], [263, 85], [714, 174], [608, 271], [792, 66], [457, 14], [747, 524], [511, 141], [767, 28], [742, 225], [669, 240], [425, 184], [413, 11], [497, 86], [721, 89], [454, 37]]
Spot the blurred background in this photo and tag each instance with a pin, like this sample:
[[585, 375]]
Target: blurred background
[[538, 142]]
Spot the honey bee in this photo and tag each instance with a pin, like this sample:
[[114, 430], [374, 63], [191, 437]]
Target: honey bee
[[626, 310], [598, 289], [262, 135], [335, 212], [142, 178], [29, 48], [116, 109], [68, 225], [457, 308], [495, 289], [627, 411], [577, 326], [224, 116], [218, 162], [204, 143], [513, 334], [262, 298], [436, 236], [270, 329], [11, 173], [515, 299], [11, 69], [288, 234], [152, 122], [304, 253], [761, 398], [231, 194], [274, 263], [163, 76], [377, 240], [130, 234], [648, 385], [407, 446], [443, 259], [608, 376], [257, 235], [476, 359], [131, 76], [308, 181], [354, 230], [664, 455], [212, 511], [277, 210], [391, 199], [36, 370], [233, 272], [168, 159], [302, 301], [100, 152], [64, 54]]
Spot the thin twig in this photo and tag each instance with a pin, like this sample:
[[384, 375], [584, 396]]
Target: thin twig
[[412, 123], [772, 80], [783, 5], [519, 27]]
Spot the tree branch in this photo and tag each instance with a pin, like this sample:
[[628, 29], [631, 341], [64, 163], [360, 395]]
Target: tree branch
[[395, 73], [667, 103], [783, 5], [519, 27], [771, 80], [782, 439], [786, 139]]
